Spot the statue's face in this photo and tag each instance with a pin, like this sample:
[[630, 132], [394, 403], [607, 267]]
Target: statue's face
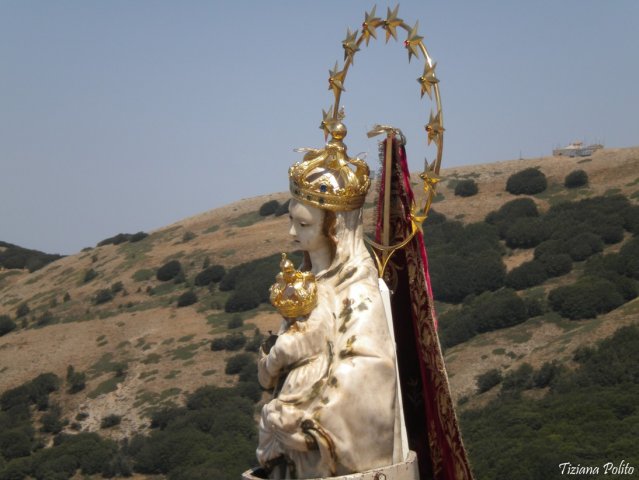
[[306, 227]]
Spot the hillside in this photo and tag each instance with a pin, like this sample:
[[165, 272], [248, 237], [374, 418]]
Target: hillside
[[141, 351]]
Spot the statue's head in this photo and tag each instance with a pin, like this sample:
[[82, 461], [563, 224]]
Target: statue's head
[[328, 189], [328, 179]]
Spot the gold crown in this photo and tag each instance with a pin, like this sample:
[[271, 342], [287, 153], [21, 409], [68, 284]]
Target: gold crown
[[325, 179], [294, 293]]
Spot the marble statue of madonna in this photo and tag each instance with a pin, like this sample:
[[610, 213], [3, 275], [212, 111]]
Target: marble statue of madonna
[[336, 410]]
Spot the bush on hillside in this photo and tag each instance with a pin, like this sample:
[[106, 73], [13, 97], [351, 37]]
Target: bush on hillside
[[213, 274], [511, 211], [587, 298], [14, 257], [235, 322], [525, 233], [466, 188], [22, 310], [545, 376], [575, 179], [89, 275], [488, 380], [6, 325], [629, 254], [453, 279], [519, 379], [110, 420], [434, 218], [527, 182], [231, 342], [169, 271], [269, 208], [187, 298], [584, 245], [241, 301], [631, 218], [550, 247], [555, 265], [236, 363], [103, 296], [136, 237], [526, 275], [486, 312], [283, 209]]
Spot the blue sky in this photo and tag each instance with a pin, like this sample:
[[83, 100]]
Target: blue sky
[[123, 116]]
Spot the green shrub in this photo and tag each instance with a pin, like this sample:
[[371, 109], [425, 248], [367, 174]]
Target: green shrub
[[117, 287], [550, 247], [213, 274], [630, 216], [526, 275], [76, 381], [526, 182], [14, 444], [22, 310], [169, 271], [556, 265], [545, 376], [282, 209], [187, 298], [241, 301], [103, 296], [453, 280], [115, 240], [231, 342], [52, 421], [576, 178], [525, 233], [256, 342], [89, 275], [236, 363], [45, 319], [519, 379], [509, 212], [586, 298], [6, 325], [236, 321], [466, 188], [584, 245], [136, 237], [269, 208], [483, 313], [14, 257], [629, 255], [488, 380], [434, 218], [110, 421]]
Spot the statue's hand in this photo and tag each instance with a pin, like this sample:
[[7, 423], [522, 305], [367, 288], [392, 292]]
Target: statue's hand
[[269, 342]]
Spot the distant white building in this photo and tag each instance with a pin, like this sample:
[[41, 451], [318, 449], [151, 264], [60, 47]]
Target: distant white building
[[576, 149]]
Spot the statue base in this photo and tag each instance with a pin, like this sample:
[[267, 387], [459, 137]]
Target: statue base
[[406, 470]]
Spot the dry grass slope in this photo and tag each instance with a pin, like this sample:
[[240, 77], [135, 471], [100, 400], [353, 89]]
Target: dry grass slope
[[165, 349]]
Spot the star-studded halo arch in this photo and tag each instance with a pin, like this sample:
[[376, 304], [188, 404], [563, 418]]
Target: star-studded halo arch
[[428, 81]]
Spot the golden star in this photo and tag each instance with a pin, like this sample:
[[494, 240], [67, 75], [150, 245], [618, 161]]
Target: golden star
[[435, 128], [412, 42], [428, 79], [392, 22], [350, 45], [371, 22], [430, 180], [336, 80], [327, 120]]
